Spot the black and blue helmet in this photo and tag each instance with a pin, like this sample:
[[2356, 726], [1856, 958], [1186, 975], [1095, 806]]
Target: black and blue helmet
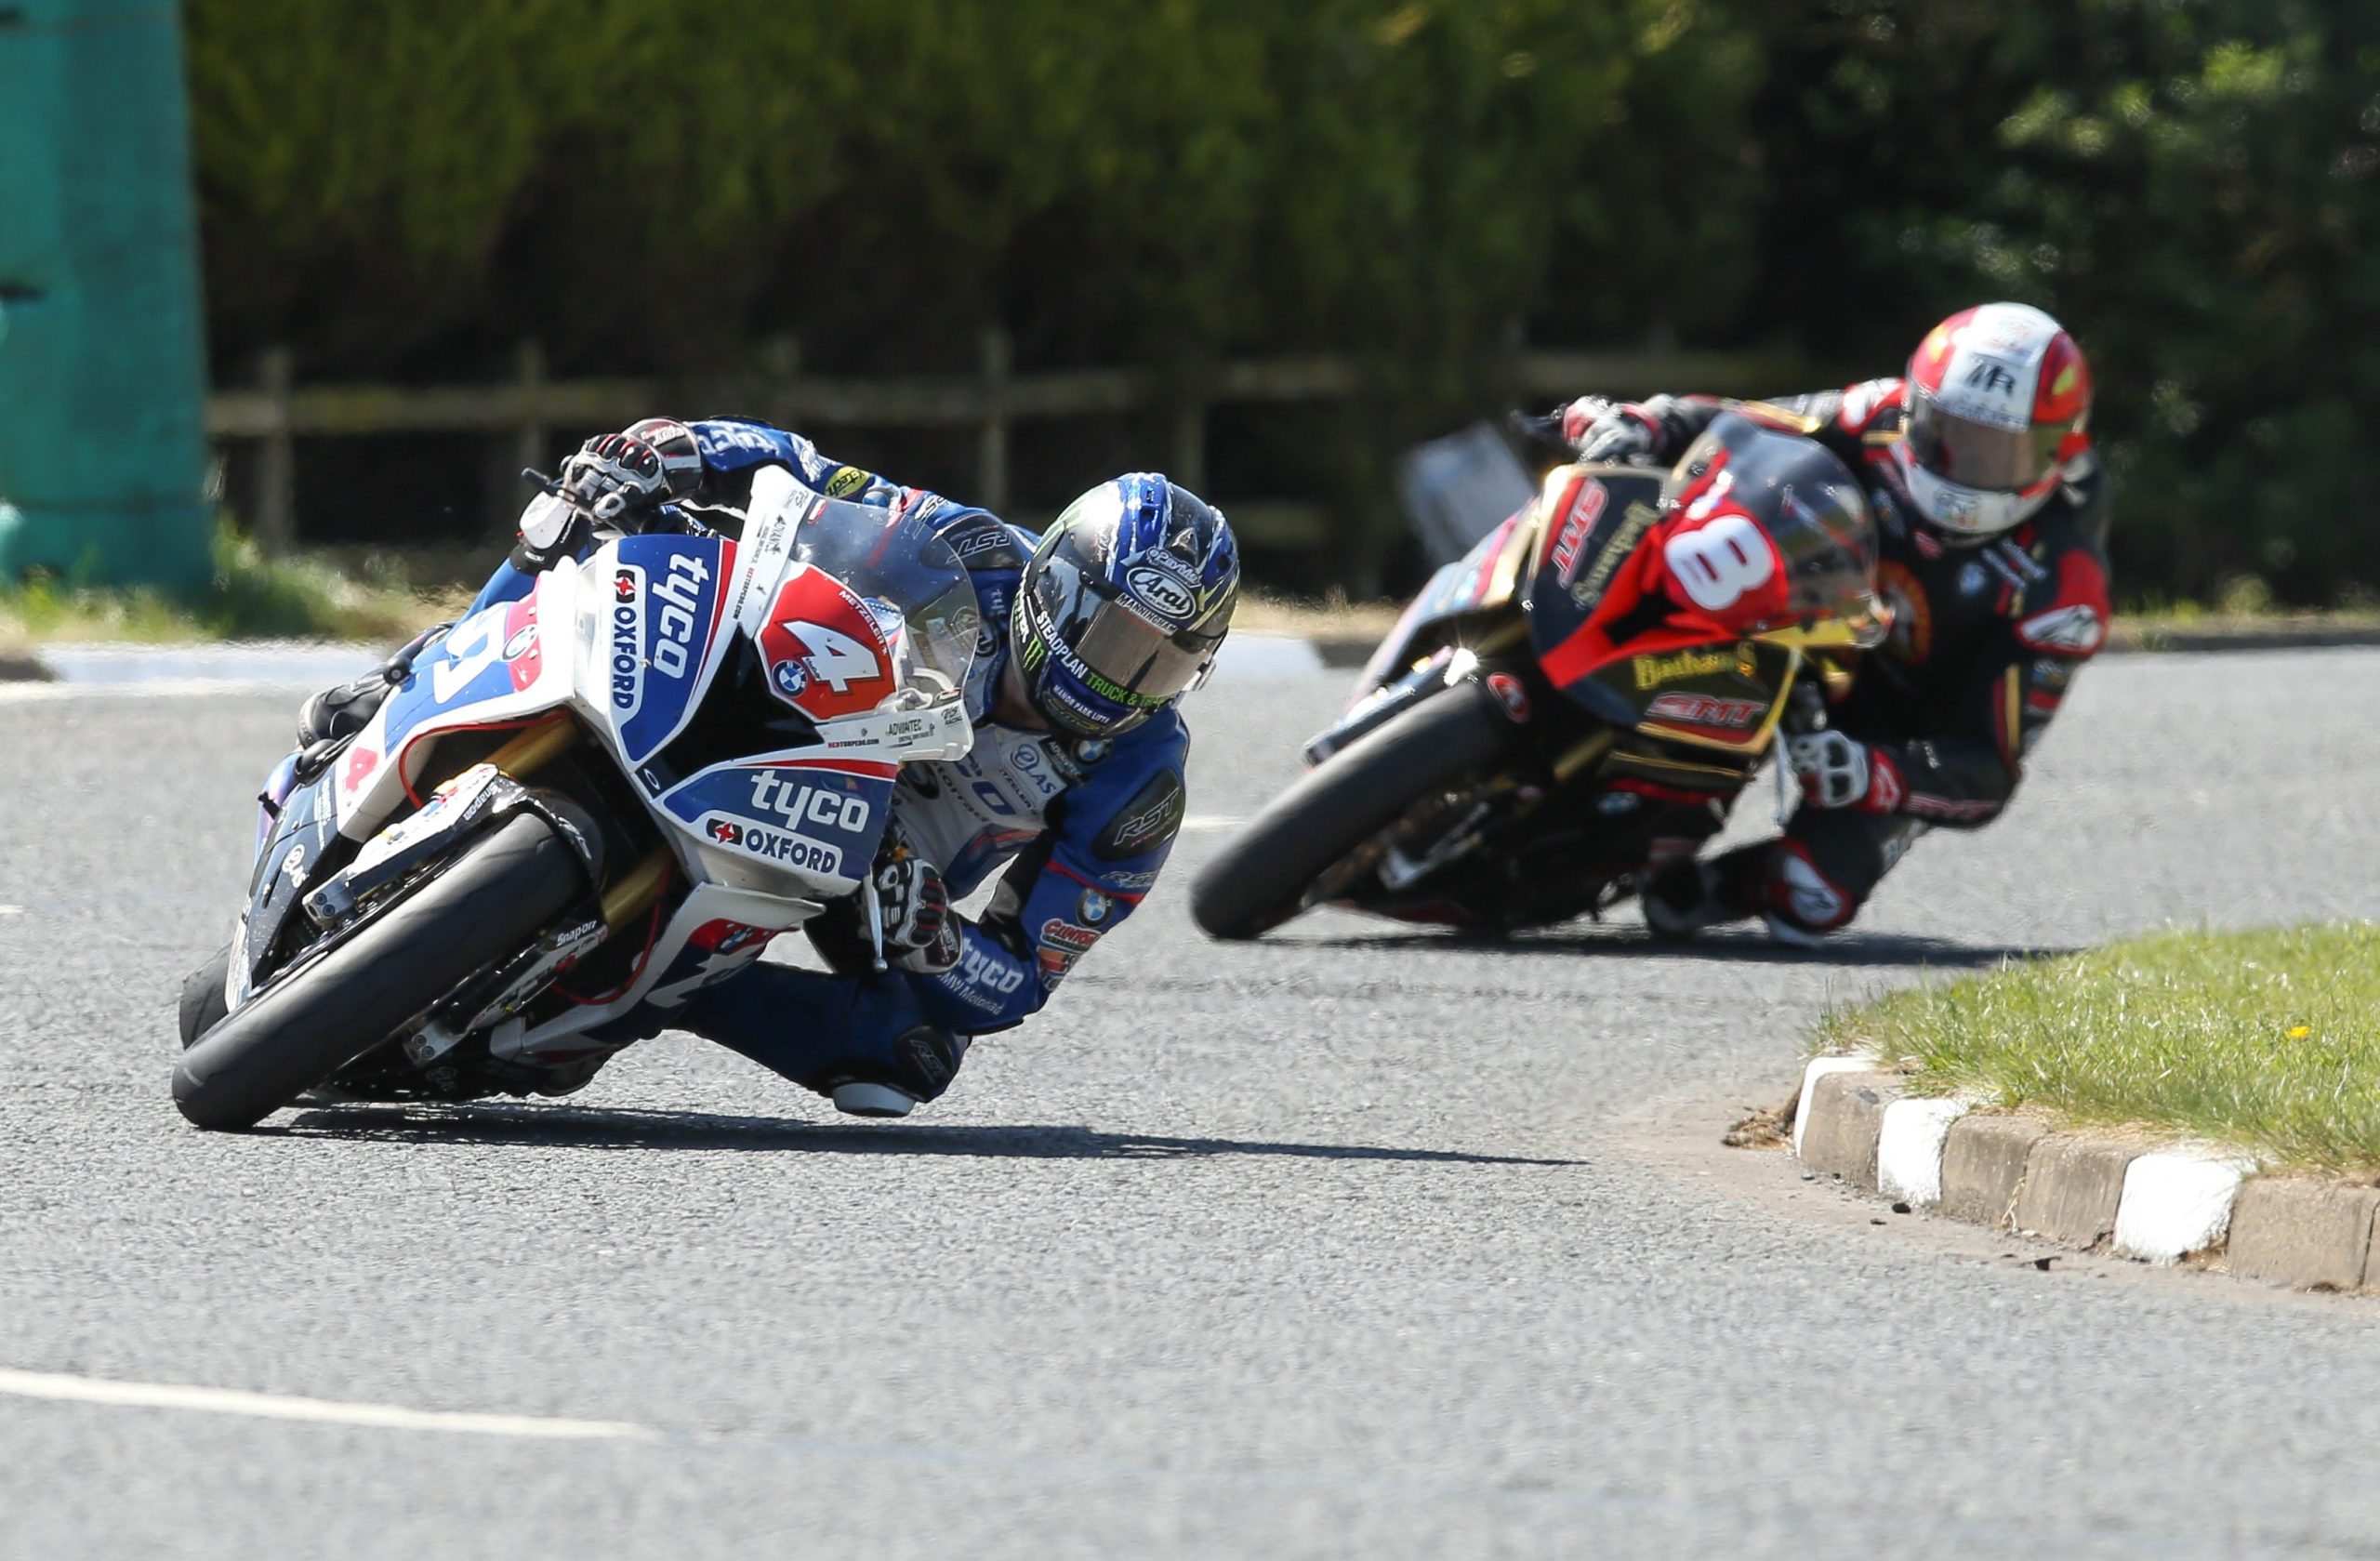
[[1123, 605]]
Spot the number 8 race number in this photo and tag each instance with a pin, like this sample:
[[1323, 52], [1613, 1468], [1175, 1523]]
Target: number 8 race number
[[1720, 561]]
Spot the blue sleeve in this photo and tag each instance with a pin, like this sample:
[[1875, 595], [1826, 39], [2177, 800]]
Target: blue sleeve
[[733, 446], [510, 583], [1075, 885]]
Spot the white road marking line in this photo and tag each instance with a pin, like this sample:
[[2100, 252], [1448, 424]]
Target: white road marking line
[[12, 910], [1209, 821], [270, 1406]]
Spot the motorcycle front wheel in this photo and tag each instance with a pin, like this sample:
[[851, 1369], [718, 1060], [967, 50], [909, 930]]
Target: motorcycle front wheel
[[508, 886], [1262, 877]]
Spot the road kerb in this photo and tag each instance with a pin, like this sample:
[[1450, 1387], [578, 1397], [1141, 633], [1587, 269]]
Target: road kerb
[[1846, 1115], [2303, 1230], [2156, 1204], [1983, 1168]]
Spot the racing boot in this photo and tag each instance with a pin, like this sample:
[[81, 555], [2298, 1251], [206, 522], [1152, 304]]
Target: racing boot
[[925, 1060], [340, 712], [1682, 900]]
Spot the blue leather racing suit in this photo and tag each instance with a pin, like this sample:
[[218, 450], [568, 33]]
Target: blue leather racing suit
[[1083, 827]]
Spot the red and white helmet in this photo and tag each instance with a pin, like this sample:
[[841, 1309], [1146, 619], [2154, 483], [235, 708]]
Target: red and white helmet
[[1999, 403]]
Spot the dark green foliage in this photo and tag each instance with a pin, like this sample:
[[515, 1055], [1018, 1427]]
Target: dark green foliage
[[656, 185], [2190, 185]]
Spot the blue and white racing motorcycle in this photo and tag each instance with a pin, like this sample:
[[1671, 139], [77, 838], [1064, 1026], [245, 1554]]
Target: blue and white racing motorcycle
[[612, 791]]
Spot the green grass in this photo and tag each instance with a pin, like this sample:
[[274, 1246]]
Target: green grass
[[2266, 1040], [250, 597]]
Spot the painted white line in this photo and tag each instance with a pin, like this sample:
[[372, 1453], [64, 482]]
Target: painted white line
[[1819, 1068], [272, 1406], [1209, 821], [2176, 1202], [187, 688], [1909, 1149], [12, 910]]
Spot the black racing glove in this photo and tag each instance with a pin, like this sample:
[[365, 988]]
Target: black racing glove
[[1604, 430], [620, 479], [922, 933]]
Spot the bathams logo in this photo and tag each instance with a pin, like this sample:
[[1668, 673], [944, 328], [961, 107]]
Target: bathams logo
[[680, 598], [1652, 671]]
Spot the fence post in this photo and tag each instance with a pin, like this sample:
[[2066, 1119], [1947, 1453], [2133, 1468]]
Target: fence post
[[276, 516], [529, 444], [991, 447], [1190, 445]]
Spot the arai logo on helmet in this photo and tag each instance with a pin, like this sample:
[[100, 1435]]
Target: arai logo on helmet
[[1165, 591]]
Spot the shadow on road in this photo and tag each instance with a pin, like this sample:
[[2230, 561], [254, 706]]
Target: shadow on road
[[579, 1128], [1741, 946]]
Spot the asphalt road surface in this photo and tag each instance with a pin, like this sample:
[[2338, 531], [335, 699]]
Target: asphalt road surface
[[1354, 1242]]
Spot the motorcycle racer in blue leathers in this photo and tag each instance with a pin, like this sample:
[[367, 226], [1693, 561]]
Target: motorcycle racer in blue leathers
[[1091, 635]]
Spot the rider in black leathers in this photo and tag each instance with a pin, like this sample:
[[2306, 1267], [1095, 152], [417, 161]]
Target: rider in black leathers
[[1993, 509]]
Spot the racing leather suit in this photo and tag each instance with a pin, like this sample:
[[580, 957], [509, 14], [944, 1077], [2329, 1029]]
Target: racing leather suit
[[1084, 826], [1986, 641]]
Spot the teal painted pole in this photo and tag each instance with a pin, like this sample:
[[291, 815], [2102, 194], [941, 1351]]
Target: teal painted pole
[[102, 352]]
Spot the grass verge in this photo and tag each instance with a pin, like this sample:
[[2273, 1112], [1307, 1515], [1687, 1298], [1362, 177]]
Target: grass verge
[[2266, 1040], [250, 597]]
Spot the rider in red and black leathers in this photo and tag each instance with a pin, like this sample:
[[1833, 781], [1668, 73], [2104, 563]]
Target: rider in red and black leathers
[[1991, 510]]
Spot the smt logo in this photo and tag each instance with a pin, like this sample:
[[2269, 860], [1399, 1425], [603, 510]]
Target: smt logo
[[1585, 510], [1701, 709], [627, 639]]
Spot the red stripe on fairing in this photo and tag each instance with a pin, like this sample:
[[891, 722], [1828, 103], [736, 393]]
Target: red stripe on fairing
[[719, 597], [1064, 871], [863, 769]]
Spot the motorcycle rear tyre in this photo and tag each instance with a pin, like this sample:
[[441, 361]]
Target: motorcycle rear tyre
[[508, 886], [1260, 879]]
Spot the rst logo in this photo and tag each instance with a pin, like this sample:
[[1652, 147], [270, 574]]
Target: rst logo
[[808, 804]]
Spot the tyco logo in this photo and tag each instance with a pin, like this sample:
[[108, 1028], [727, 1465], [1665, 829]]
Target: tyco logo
[[808, 804]]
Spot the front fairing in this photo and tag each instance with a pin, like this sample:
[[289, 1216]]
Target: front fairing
[[1609, 637]]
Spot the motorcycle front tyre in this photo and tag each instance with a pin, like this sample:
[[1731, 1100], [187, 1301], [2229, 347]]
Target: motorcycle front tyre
[[1261, 877], [505, 887]]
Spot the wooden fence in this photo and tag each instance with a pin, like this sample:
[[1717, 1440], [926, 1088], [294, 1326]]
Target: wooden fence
[[522, 418]]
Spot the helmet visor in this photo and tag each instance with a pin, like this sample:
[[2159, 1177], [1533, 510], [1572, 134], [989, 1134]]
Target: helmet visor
[[1977, 455], [1118, 654]]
